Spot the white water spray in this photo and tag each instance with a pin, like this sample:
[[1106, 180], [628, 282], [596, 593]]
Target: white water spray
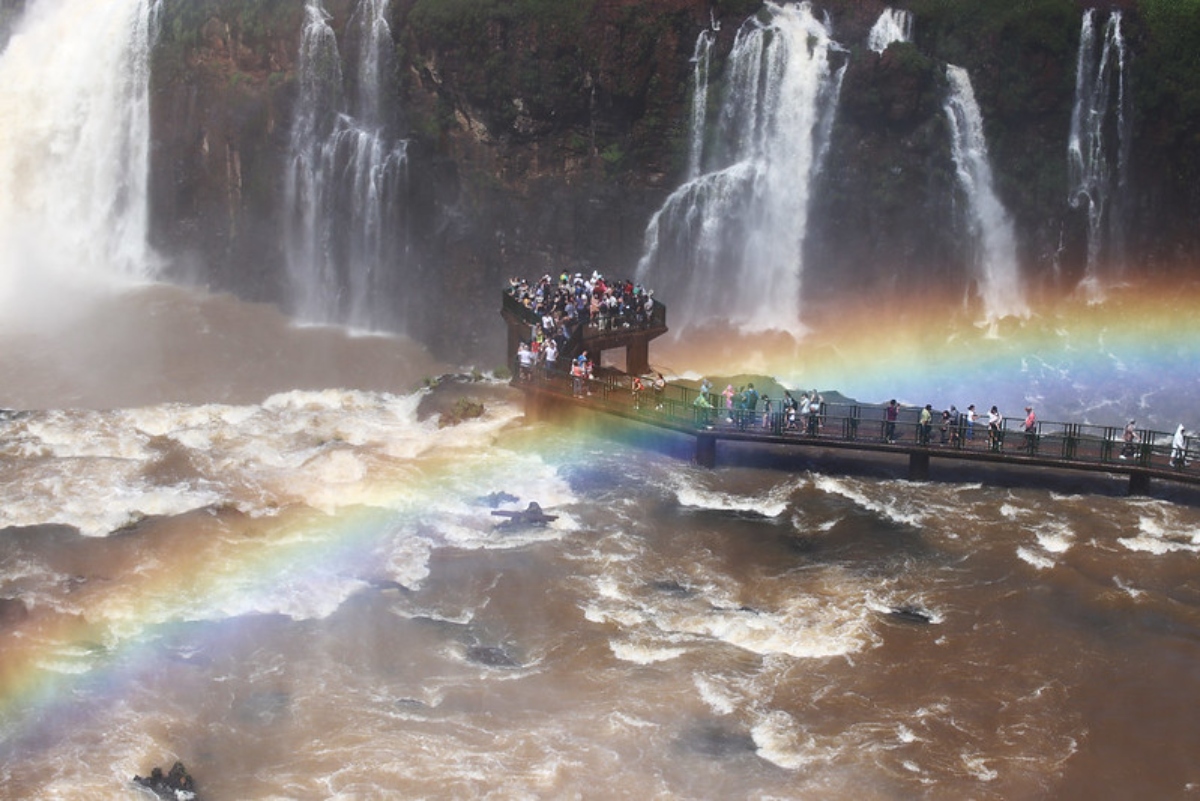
[[1100, 83], [996, 271], [345, 239], [74, 154], [730, 241], [893, 25]]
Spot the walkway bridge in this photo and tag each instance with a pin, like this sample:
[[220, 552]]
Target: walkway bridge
[[861, 427]]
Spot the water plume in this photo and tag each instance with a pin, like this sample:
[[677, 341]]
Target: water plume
[[997, 276], [74, 156], [731, 238], [346, 177], [1099, 115]]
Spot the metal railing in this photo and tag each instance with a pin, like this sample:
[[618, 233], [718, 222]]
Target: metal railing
[[1069, 444]]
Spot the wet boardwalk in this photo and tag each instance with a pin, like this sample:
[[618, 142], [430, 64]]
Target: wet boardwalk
[[861, 427]]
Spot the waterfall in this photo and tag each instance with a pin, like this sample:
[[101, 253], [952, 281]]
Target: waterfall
[[74, 153], [345, 239], [1101, 73], [730, 241], [996, 272], [701, 60], [893, 25]]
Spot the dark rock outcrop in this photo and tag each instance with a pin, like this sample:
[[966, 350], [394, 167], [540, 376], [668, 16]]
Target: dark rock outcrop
[[176, 785]]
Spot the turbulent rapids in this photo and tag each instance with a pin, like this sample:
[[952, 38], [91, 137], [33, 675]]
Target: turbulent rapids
[[269, 550]]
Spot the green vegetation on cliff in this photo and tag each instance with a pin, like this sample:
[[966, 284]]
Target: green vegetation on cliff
[[516, 59], [1167, 85]]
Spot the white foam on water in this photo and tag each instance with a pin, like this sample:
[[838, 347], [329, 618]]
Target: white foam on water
[[897, 508], [716, 698], [1011, 512], [773, 503], [1132, 592], [1161, 537], [976, 765], [644, 653], [1035, 559], [328, 450], [1055, 536], [782, 741]]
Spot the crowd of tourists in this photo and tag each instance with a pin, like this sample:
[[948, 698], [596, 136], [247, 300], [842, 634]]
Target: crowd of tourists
[[740, 407], [562, 305]]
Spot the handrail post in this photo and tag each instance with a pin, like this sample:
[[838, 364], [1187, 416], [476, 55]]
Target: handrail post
[[1106, 445]]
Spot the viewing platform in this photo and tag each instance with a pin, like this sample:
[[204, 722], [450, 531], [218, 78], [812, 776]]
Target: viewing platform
[[631, 331]]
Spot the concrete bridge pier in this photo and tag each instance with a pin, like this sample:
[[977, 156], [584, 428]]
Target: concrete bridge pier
[[918, 467], [637, 356], [706, 450]]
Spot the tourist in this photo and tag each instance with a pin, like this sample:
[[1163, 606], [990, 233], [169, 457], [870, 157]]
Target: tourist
[[925, 424], [525, 360], [636, 387], [891, 413], [660, 385], [814, 413], [1130, 437], [551, 351], [578, 375], [766, 420], [971, 421], [1179, 448], [1030, 429], [749, 404], [995, 435], [703, 409], [728, 395]]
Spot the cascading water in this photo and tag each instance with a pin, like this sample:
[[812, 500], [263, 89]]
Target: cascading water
[[730, 241], [1100, 83], [997, 273], [893, 25], [701, 60], [74, 153], [346, 242]]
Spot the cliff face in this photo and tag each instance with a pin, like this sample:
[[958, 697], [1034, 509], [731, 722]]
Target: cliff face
[[543, 135]]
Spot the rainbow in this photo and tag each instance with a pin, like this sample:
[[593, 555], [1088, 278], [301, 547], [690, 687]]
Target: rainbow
[[1136, 353]]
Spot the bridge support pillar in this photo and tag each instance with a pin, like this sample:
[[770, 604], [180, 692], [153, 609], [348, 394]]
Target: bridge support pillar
[[637, 356], [1139, 483], [706, 450], [541, 407], [918, 467]]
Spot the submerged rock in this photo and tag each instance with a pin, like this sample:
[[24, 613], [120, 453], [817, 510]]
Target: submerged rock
[[464, 409], [672, 587], [176, 785], [491, 656], [494, 499], [911, 614], [717, 741]]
